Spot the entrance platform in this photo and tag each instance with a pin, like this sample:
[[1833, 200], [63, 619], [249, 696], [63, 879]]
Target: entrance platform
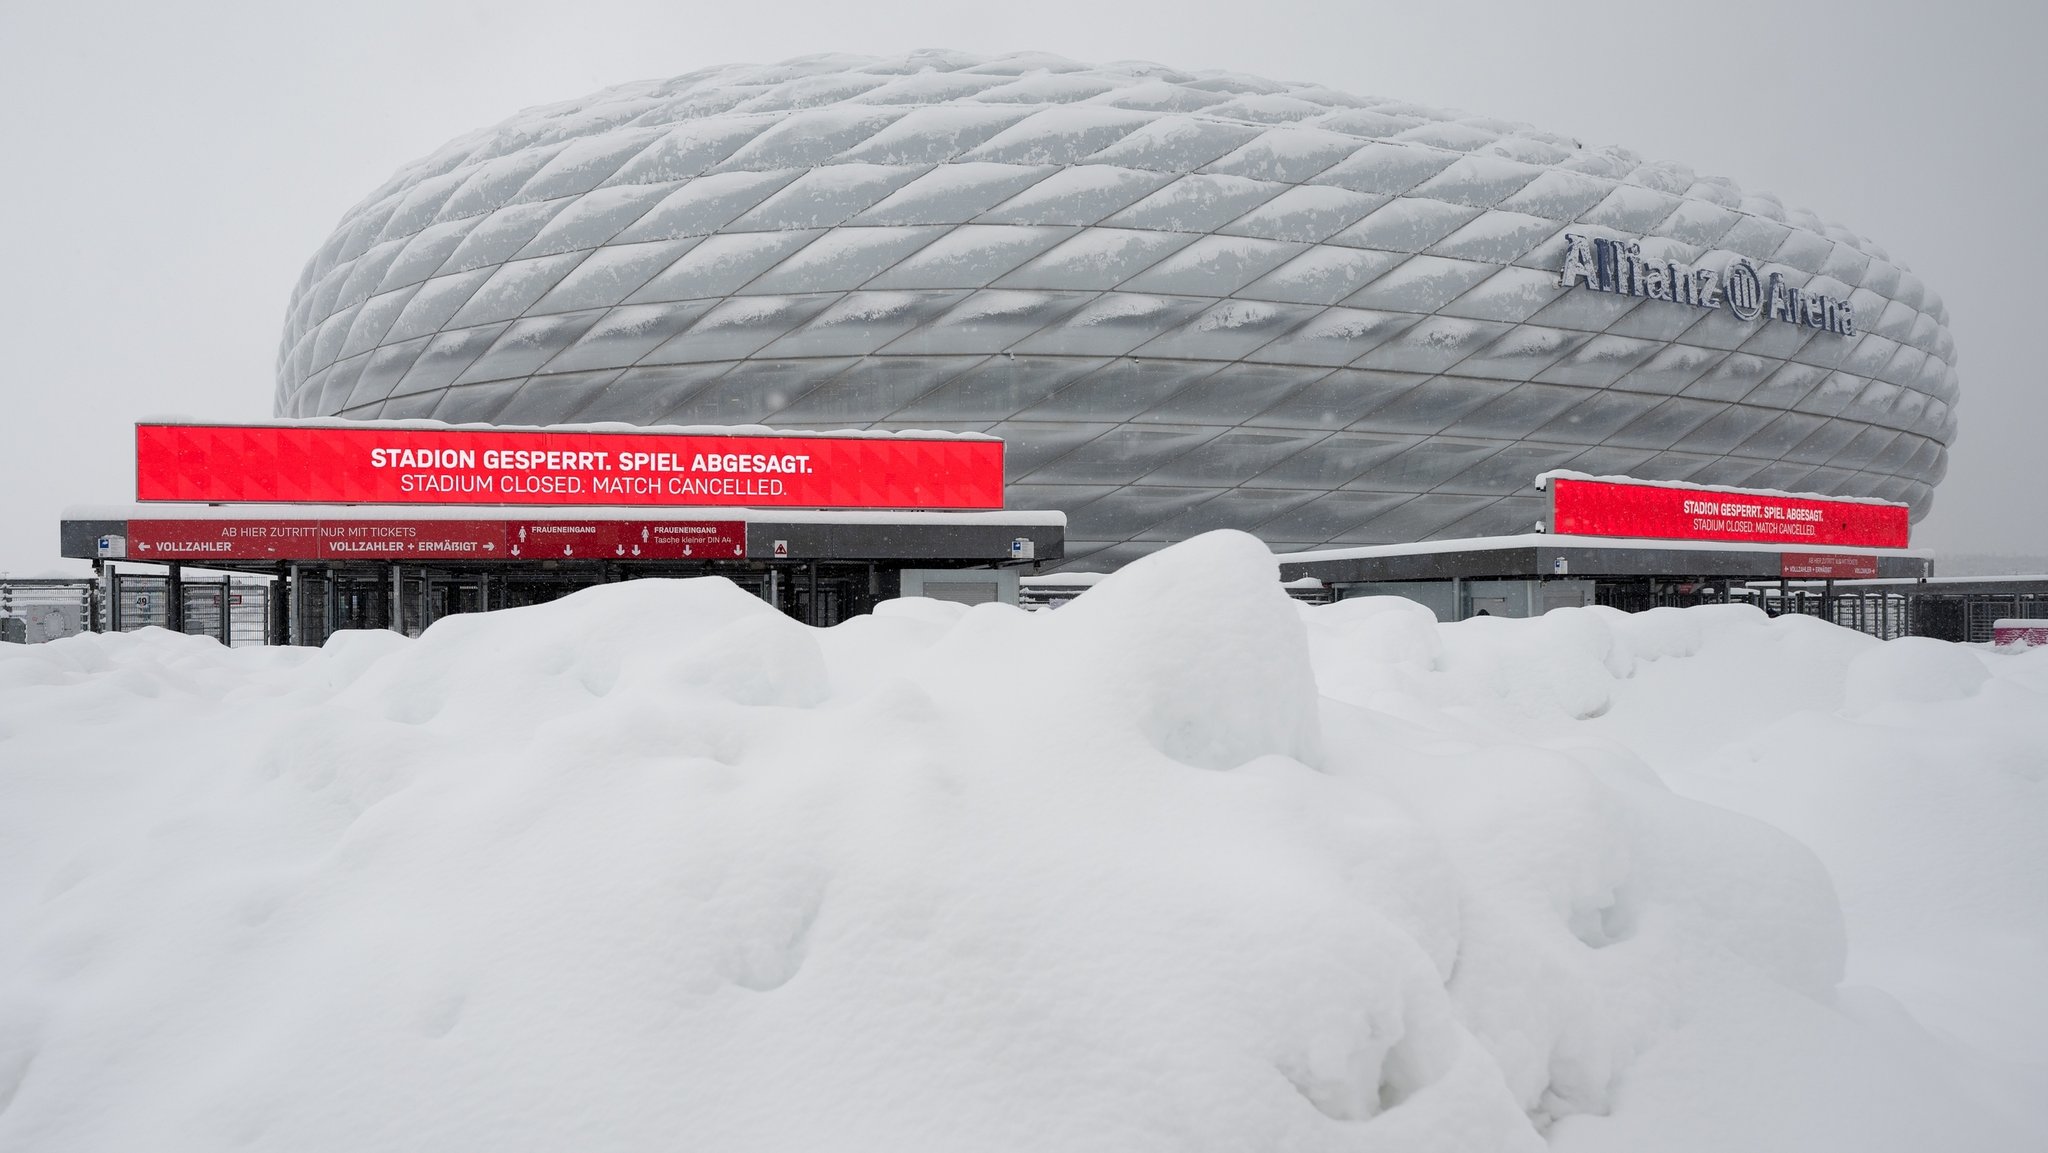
[[404, 566], [1529, 574]]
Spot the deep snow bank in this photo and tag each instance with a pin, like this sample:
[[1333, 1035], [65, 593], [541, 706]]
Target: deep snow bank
[[1178, 866]]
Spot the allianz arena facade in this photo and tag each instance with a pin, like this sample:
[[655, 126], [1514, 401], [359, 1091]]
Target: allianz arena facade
[[1185, 300]]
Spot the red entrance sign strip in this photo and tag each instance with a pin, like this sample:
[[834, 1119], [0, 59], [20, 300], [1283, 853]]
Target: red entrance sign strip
[[625, 540], [683, 540], [271, 464], [1826, 566], [199, 541], [1612, 508]]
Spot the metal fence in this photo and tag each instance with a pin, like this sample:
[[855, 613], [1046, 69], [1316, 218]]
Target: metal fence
[[231, 611], [1944, 612], [1981, 612], [1050, 592], [237, 610], [137, 602], [1881, 613], [1884, 615], [33, 611]]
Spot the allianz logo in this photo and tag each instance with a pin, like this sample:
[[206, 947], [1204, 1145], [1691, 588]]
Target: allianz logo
[[1619, 267]]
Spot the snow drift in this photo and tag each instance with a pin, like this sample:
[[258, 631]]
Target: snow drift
[[1179, 866]]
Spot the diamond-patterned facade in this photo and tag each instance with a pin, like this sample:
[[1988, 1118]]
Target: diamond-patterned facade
[[1187, 300]]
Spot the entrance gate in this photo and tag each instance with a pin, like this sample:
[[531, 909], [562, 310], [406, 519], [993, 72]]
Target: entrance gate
[[233, 612], [324, 600]]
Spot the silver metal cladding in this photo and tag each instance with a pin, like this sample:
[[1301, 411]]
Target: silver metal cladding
[[1186, 300]]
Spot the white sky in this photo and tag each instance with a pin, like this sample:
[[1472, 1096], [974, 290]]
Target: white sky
[[165, 170]]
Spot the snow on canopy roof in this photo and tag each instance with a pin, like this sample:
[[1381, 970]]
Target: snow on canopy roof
[[1049, 518], [1567, 540], [1064, 580], [609, 426]]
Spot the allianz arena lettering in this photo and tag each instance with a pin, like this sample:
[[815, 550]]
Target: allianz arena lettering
[[1619, 267], [1184, 300]]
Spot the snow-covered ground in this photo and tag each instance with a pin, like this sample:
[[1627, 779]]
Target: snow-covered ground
[[1179, 866]]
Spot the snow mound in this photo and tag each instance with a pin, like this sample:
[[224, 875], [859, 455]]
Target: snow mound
[[1912, 671], [1200, 647], [1181, 865]]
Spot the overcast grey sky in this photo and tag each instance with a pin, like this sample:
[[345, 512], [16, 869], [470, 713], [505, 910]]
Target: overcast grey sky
[[169, 168]]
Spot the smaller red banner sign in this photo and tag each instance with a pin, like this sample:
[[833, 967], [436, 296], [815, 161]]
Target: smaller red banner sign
[[1827, 566], [2017, 633], [1587, 507], [198, 541]]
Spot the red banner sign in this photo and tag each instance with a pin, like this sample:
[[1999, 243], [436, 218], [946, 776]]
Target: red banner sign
[[1611, 508], [425, 540], [1826, 566], [2019, 632], [271, 464]]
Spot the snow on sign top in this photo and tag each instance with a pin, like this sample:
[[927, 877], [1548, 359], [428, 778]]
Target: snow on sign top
[[1543, 480], [424, 425], [1625, 507], [440, 464]]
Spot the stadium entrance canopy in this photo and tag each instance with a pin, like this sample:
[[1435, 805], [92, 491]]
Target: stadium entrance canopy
[[395, 525], [1635, 545]]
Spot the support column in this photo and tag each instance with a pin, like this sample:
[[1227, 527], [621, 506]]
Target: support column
[[277, 622], [174, 597], [397, 598]]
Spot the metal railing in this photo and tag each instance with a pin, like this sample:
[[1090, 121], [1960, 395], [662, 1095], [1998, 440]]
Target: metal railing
[[1909, 610], [233, 612], [1982, 612], [35, 610]]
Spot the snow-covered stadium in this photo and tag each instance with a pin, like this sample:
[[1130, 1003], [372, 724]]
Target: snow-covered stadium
[[1186, 300]]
